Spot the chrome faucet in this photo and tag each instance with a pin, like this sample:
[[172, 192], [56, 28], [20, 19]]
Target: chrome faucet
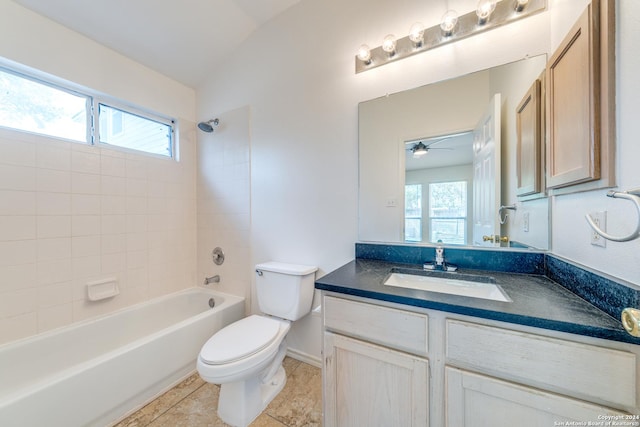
[[440, 263], [212, 279], [440, 256]]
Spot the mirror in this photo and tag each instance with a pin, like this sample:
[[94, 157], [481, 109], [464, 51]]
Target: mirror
[[404, 197]]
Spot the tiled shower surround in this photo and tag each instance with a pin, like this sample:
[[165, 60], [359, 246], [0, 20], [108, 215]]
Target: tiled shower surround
[[71, 213]]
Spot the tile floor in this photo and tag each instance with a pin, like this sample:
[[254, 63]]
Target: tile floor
[[193, 403]]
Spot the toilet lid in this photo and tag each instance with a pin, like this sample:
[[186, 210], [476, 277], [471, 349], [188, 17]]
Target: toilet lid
[[240, 339]]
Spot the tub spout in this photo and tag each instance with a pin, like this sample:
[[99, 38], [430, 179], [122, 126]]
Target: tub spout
[[212, 279]]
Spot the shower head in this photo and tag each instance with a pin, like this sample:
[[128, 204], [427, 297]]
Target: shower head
[[206, 126]]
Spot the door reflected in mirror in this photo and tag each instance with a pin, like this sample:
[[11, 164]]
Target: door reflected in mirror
[[437, 162]]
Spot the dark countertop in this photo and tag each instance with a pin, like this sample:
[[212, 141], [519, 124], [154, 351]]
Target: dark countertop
[[537, 300]]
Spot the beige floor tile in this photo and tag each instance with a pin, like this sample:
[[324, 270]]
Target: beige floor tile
[[163, 403], [193, 403], [300, 402]]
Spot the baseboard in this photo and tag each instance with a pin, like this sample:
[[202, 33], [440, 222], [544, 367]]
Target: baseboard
[[304, 357]]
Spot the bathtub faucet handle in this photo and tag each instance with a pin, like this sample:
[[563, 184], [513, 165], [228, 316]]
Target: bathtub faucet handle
[[212, 279]]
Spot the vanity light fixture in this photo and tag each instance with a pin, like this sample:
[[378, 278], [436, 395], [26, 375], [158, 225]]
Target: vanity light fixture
[[364, 54], [484, 10], [448, 22], [488, 15], [521, 4], [389, 45], [416, 34]]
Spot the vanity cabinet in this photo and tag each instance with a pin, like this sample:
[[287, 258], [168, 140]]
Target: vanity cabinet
[[372, 373], [385, 365], [475, 400]]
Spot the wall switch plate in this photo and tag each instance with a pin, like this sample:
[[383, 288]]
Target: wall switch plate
[[525, 222], [600, 219], [392, 203]]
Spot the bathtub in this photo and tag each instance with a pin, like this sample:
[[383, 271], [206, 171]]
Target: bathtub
[[94, 372]]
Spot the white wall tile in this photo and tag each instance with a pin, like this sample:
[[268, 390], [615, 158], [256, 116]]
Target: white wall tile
[[15, 177], [18, 252], [54, 294], [53, 181], [86, 204], [114, 264], [114, 185], [85, 183], [50, 226], [86, 267], [85, 162], [14, 303], [113, 243], [53, 203], [136, 168], [16, 277], [114, 205], [85, 225], [53, 156], [17, 202], [113, 224], [52, 249], [54, 317], [17, 227], [54, 271], [112, 166], [82, 246], [13, 328], [17, 152]]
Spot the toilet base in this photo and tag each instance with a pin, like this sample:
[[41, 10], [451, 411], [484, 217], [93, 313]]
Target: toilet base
[[241, 402]]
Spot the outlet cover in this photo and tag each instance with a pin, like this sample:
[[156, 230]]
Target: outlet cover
[[525, 222], [600, 219]]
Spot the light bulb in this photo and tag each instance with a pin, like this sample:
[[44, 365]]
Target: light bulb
[[364, 54], [520, 4], [416, 34], [485, 9], [448, 22], [389, 44]]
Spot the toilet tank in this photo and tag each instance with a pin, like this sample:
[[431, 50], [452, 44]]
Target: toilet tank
[[285, 290]]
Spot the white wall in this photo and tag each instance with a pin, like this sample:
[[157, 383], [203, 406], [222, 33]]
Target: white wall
[[570, 232], [224, 205], [297, 75], [72, 213]]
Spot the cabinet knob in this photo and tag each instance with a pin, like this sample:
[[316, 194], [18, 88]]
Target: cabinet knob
[[631, 321]]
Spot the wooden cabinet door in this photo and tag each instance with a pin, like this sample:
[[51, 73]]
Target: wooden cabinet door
[[573, 87], [475, 400], [368, 385], [529, 137]]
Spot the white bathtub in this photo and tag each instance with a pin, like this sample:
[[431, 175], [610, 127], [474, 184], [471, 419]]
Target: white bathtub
[[94, 372]]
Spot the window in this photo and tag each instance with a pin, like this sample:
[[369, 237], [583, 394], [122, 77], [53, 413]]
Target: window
[[128, 130], [413, 213], [34, 105], [448, 212]]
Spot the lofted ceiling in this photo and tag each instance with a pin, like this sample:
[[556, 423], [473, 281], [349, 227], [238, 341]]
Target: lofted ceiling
[[184, 40]]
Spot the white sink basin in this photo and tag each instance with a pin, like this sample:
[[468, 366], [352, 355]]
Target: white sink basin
[[448, 285]]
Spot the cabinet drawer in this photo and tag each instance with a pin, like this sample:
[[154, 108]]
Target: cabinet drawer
[[581, 370], [398, 329]]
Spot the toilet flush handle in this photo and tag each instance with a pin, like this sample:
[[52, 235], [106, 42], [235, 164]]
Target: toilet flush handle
[[259, 272]]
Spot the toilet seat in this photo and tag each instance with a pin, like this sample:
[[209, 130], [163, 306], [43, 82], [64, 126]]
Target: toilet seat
[[239, 340], [228, 344]]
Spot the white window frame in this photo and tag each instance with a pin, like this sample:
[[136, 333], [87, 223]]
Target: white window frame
[[93, 100]]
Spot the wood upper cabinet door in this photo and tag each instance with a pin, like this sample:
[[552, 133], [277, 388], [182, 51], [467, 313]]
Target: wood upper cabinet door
[[573, 87], [528, 128]]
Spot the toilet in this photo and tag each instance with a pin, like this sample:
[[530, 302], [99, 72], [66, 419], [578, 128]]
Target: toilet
[[245, 357]]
